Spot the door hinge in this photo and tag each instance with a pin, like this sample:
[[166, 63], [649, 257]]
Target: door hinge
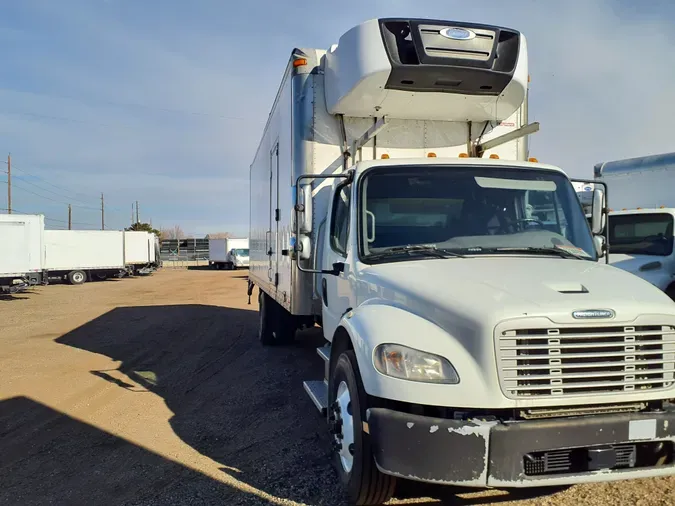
[[276, 279], [277, 214]]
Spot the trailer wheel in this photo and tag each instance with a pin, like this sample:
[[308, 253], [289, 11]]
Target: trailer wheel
[[352, 451], [76, 277]]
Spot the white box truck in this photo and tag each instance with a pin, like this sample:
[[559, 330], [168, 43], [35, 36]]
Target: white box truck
[[78, 256], [641, 195], [139, 252], [474, 336], [230, 253], [21, 251]]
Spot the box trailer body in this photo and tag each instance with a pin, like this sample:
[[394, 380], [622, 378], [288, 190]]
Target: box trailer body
[[229, 253], [21, 251], [81, 255], [154, 249], [641, 195], [139, 252], [464, 299]]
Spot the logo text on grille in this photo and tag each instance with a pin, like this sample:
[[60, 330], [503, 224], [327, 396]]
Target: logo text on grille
[[593, 313]]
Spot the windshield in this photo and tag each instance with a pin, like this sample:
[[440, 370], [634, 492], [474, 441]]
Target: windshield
[[241, 252], [471, 210], [641, 234]]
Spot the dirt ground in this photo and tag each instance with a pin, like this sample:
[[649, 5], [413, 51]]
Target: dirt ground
[[155, 391]]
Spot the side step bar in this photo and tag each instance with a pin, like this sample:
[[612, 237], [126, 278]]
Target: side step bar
[[318, 390]]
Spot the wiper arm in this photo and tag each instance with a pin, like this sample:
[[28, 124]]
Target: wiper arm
[[565, 253], [422, 249]]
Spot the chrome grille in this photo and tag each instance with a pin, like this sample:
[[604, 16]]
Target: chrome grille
[[560, 362]]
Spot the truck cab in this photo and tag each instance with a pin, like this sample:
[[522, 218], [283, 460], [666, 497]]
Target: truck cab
[[642, 205], [474, 333], [641, 242]]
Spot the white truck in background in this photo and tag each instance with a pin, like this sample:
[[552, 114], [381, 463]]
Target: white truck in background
[[231, 253], [474, 336], [21, 251], [641, 194], [78, 256]]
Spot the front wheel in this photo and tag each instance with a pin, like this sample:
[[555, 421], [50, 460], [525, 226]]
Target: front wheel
[[352, 451]]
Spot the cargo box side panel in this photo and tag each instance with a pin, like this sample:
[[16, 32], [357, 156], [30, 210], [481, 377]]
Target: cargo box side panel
[[271, 188], [646, 182], [136, 248], [77, 249], [217, 250], [15, 241]]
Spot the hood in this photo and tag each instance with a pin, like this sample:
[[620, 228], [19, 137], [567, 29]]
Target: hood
[[487, 289], [632, 263]]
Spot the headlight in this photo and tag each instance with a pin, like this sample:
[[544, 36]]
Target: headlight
[[406, 363]]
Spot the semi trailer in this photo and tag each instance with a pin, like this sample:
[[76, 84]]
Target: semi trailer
[[21, 251], [474, 333], [641, 239]]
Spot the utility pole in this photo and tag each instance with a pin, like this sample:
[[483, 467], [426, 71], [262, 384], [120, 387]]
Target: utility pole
[[70, 217], [137, 220], [102, 213], [9, 184]]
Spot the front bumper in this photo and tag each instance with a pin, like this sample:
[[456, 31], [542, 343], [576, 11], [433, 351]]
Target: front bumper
[[533, 453]]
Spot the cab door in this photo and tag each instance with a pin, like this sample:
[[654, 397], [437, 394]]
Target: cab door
[[335, 291]]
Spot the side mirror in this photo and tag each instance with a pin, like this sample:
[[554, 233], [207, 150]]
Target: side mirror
[[597, 212], [305, 209], [599, 242]]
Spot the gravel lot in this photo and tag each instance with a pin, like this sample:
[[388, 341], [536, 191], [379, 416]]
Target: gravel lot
[[154, 391]]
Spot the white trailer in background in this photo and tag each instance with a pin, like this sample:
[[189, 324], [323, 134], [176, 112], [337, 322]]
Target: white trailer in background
[[84, 255], [230, 253], [21, 251], [641, 197], [153, 248], [139, 252], [473, 335]]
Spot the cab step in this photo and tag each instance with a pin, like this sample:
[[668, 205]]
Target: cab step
[[318, 392]]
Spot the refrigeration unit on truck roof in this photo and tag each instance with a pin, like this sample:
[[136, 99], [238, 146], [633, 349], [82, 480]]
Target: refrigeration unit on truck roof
[[424, 70]]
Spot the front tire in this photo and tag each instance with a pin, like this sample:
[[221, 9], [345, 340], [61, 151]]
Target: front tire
[[353, 455]]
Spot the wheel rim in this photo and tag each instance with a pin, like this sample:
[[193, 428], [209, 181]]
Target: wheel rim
[[344, 427], [78, 277]]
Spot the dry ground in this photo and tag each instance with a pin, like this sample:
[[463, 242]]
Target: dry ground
[[154, 391]]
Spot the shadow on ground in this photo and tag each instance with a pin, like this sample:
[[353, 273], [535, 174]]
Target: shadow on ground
[[234, 401], [47, 457]]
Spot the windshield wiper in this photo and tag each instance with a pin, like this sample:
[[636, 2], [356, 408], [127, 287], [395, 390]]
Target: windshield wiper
[[413, 249], [564, 253]]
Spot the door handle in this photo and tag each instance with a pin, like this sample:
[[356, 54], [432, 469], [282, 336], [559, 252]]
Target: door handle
[[324, 291]]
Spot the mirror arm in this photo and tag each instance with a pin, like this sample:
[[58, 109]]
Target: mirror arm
[[298, 207]]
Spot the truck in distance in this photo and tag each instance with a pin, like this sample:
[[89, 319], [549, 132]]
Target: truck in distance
[[230, 253], [642, 214], [475, 334]]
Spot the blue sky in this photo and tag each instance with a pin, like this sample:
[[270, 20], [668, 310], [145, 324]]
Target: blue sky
[[164, 101]]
